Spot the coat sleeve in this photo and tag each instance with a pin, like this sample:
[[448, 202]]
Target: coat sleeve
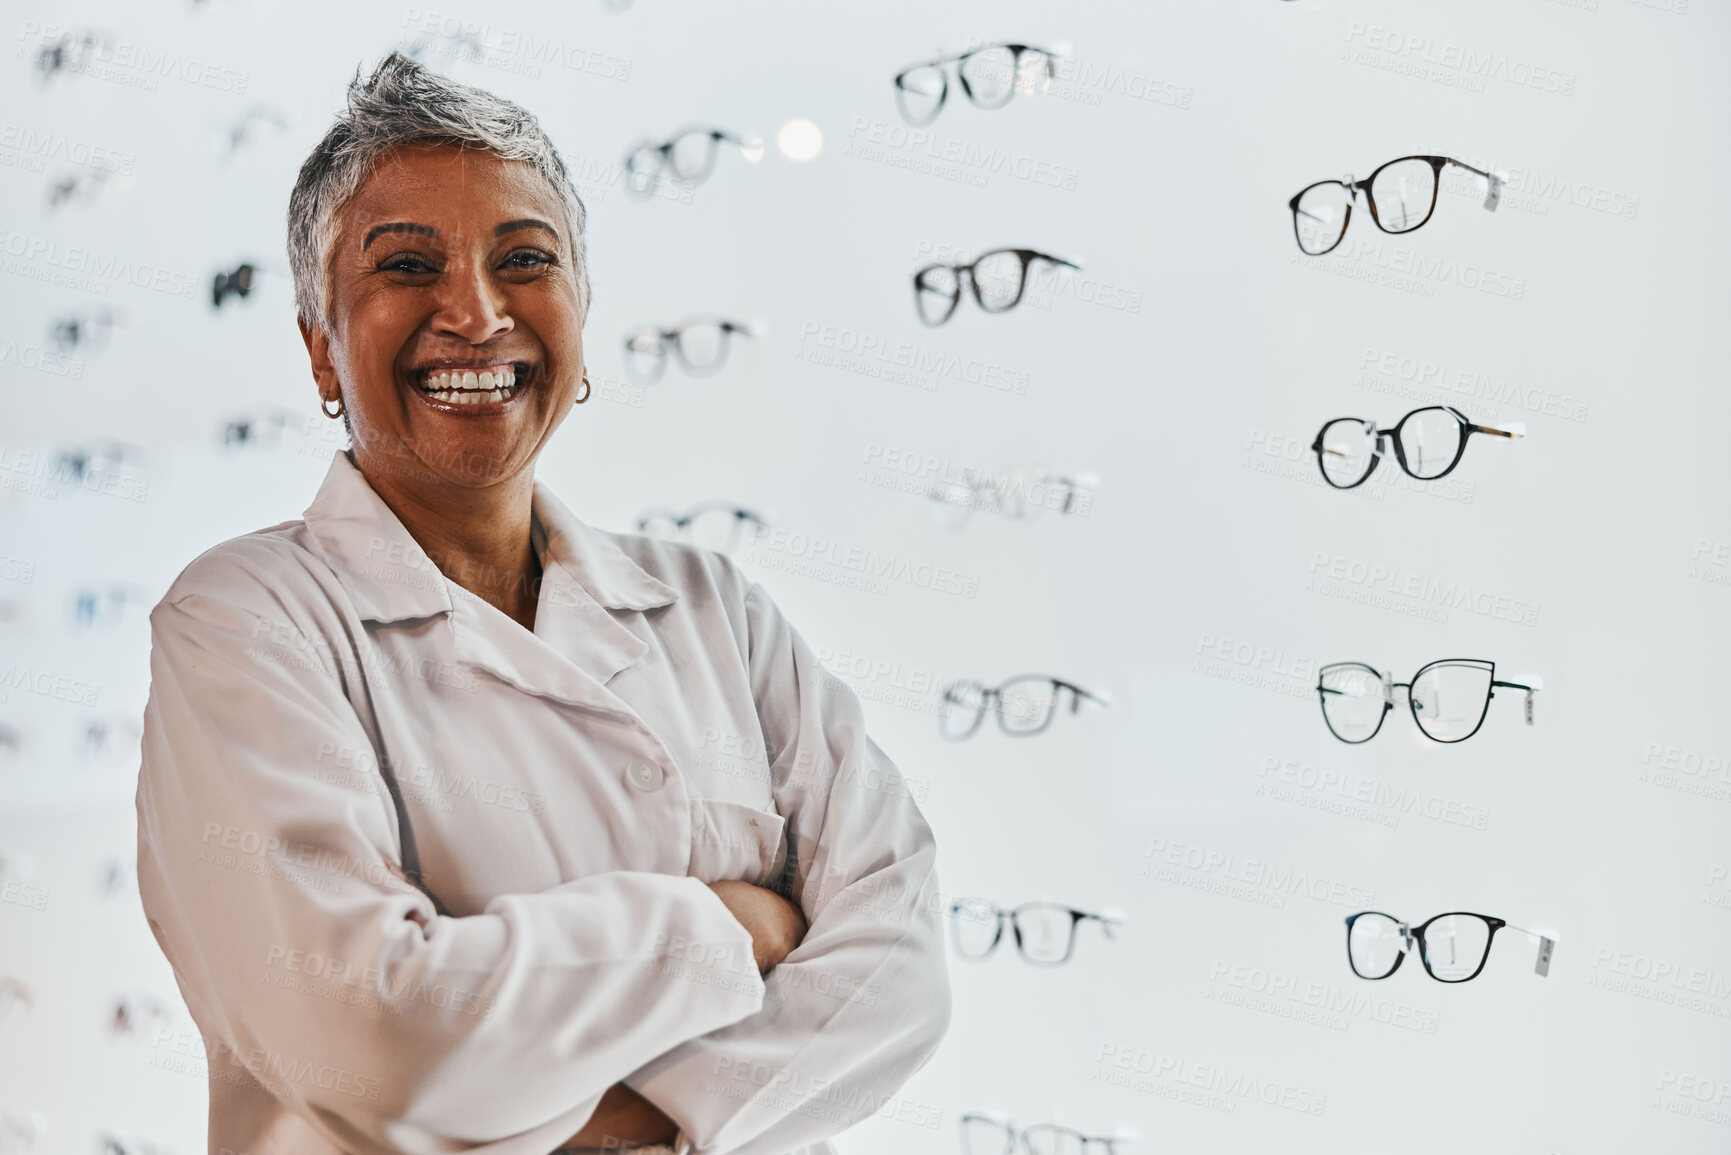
[[314, 968], [864, 1000]]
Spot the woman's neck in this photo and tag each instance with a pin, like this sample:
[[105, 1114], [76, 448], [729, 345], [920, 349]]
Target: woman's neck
[[480, 538]]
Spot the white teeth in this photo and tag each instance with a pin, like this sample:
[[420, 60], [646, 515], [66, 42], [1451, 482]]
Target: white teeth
[[470, 387]]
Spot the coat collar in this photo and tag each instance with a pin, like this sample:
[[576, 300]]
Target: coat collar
[[574, 650]]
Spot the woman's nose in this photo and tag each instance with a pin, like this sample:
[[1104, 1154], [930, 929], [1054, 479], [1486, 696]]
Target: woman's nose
[[471, 307]]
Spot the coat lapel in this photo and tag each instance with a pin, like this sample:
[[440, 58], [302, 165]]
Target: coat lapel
[[589, 591]]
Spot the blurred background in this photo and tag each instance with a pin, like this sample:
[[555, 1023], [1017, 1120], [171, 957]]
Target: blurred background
[[912, 481]]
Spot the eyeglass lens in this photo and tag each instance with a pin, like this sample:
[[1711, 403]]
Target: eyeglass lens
[[975, 925], [1043, 932], [1025, 705], [1403, 193], [1048, 1139], [1352, 701], [1449, 699], [1320, 216], [982, 1136], [1374, 945], [1348, 451], [1430, 442], [1455, 946]]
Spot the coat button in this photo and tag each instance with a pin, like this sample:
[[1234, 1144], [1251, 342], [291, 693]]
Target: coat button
[[646, 776]]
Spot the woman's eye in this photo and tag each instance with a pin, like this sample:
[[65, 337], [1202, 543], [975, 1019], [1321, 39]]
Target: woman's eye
[[406, 263], [528, 259]]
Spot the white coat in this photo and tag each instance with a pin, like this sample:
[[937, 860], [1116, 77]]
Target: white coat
[[331, 721]]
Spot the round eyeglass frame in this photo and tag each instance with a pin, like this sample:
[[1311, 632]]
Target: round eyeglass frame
[[1378, 436]]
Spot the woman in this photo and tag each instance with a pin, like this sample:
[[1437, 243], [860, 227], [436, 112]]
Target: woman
[[465, 826]]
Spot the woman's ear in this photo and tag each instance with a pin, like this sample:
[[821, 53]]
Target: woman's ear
[[318, 344]]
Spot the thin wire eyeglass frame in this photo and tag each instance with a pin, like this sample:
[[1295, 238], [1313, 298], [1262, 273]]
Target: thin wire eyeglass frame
[[1013, 1134], [1388, 688], [995, 694]]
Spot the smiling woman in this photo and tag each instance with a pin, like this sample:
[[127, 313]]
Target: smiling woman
[[432, 823]]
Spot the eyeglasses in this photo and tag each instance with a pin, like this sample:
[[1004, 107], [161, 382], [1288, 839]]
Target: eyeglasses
[[1401, 195], [1448, 699], [241, 131], [988, 1133], [263, 429], [1428, 443], [1045, 932], [83, 186], [990, 75], [686, 158], [133, 1014], [700, 343], [997, 278], [92, 606], [235, 284], [80, 461], [1024, 705], [714, 525], [75, 329], [1021, 493], [1453, 947]]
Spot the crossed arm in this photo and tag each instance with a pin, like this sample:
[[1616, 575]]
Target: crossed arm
[[626, 1119]]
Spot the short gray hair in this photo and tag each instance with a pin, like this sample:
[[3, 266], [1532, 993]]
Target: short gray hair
[[400, 105]]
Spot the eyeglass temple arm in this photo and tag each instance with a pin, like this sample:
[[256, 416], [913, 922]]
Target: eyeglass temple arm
[[1077, 693], [1532, 686], [1109, 920], [1490, 176], [1515, 430]]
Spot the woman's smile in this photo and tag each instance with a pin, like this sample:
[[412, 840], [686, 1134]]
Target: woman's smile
[[472, 388]]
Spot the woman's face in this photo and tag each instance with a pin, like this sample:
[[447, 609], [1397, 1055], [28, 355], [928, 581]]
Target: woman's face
[[456, 338]]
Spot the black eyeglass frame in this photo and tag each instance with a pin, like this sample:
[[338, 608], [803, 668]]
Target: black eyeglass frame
[[1107, 920], [994, 693], [1354, 187], [666, 338], [1393, 436], [960, 61], [1389, 687], [1410, 933], [965, 274]]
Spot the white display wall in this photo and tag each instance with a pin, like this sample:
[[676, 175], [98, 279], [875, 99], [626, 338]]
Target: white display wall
[[1188, 367]]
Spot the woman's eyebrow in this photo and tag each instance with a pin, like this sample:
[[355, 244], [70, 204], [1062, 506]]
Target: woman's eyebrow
[[525, 223], [398, 227]]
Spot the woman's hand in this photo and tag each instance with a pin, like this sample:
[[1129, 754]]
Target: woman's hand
[[624, 1119], [776, 925]]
